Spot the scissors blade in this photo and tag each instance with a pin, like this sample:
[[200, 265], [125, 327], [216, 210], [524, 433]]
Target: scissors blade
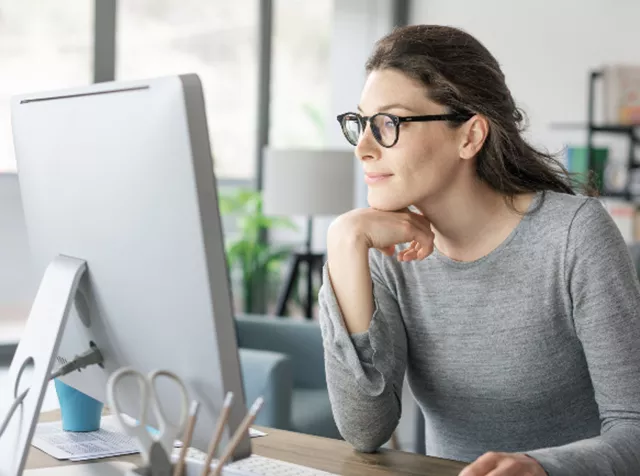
[[159, 461]]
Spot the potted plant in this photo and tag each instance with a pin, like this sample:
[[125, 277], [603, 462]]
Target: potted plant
[[248, 253]]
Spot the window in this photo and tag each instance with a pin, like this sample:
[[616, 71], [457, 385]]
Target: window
[[218, 41], [300, 99], [301, 73], [44, 45]]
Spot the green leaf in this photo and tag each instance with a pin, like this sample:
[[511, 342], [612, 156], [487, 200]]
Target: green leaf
[[256, 261]]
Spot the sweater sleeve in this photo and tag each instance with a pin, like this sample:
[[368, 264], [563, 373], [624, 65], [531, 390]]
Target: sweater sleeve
[[365, 371], [605, 297]]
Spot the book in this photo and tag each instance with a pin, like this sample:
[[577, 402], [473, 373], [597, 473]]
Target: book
[[576, 161], [624, 216], [621, 98]]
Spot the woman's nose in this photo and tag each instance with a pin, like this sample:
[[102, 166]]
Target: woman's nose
[[367, 145]]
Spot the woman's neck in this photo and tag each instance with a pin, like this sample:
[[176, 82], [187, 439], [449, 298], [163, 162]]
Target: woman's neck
[[471, 220]]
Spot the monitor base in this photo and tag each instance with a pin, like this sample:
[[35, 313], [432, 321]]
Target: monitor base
[[37, 351]]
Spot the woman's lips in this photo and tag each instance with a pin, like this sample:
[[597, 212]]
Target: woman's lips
[[371, 178]]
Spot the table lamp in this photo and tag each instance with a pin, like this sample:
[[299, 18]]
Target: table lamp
[[307, 182]]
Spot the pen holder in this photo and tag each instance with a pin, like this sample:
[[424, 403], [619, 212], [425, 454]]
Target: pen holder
[[79, 412], [191, 468]]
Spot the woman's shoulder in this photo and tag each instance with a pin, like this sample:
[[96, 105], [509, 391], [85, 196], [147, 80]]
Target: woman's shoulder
[[562, 204], [565, 215], [555, 210]]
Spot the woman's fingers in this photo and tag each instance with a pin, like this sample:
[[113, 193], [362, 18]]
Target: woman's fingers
[[409, 255], [421, 245], [425, 250], [415, 251], [424, 240], [406, 254], [405, 226]]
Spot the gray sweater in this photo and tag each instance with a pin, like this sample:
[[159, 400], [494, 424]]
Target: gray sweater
[[534, 348]]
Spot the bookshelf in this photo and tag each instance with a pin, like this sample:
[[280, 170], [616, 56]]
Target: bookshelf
[[593, 128], [624, 205], [620, 129]]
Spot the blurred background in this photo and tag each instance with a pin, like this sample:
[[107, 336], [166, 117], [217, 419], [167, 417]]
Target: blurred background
[[275, 74]]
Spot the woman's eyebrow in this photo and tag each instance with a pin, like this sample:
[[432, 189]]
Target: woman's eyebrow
[[390, 106]]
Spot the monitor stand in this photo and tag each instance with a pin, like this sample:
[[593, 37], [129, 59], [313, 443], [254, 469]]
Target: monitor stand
[[37, 350]]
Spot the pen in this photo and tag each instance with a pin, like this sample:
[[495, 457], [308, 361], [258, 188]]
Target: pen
[[186, 441], [237, 436], [217, 434]]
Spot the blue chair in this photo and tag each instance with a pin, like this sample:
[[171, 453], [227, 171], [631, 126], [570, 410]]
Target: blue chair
[[268, 374], [299, 344]]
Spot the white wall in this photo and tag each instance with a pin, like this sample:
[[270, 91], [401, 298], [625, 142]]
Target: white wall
[[546, 49]]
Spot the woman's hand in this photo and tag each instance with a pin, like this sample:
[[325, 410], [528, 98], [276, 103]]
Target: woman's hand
[[349, 239], [504, 464], [384, 230]]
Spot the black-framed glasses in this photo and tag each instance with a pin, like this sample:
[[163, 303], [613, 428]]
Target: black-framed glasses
[[386, 127]]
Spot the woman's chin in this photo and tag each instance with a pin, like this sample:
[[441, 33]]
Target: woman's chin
[[386, 204]]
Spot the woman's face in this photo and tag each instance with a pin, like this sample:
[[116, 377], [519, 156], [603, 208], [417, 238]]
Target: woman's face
[[426, 159]]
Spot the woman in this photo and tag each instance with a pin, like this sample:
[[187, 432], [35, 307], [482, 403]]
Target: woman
[[510, 302]]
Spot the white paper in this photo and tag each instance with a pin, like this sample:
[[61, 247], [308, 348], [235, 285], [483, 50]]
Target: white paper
[[109, 440], [97, 456], [253, 433]]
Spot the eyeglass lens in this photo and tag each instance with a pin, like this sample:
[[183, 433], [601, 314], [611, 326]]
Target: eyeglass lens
[[383, 128]]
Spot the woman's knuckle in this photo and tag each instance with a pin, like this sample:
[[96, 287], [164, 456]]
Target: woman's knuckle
[[491, 455], [510, 464]]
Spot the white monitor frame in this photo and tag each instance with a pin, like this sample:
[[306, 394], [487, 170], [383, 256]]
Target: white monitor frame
[[117, 178]]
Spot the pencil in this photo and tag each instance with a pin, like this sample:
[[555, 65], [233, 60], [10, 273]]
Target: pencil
[[186, 441], [217, 434], [237, 436]]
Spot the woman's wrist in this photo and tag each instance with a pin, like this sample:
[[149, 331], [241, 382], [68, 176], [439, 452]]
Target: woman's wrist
[[342, 235]]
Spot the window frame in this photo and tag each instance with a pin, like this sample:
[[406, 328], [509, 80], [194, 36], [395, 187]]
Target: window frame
[[104, 69]]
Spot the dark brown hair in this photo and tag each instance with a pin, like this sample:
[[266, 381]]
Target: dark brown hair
[[463, 75]]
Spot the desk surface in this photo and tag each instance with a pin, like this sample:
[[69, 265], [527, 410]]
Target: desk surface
[[325, 454]]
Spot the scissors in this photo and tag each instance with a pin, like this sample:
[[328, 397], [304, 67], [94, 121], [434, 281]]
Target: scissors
[[148, 441]]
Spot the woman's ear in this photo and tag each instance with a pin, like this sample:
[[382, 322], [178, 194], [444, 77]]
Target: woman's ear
[[473, 134]]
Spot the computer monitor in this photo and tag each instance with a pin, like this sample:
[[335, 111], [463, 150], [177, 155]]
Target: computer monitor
[[120, 175], [17, 282]]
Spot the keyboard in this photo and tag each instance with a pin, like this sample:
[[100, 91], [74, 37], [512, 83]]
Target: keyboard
[[256, 465]]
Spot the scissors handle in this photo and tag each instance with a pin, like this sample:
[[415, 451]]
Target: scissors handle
[[138, 431], [168, 432]]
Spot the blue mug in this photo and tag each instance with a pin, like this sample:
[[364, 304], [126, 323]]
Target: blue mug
[[80, 412]]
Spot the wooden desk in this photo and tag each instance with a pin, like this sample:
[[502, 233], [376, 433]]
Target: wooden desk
[[321, 453]]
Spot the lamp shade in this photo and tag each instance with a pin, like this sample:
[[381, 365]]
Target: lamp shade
[[308, 181]]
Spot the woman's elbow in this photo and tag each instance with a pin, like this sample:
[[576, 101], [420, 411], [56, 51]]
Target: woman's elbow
[[369, 446], [365, 441]]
